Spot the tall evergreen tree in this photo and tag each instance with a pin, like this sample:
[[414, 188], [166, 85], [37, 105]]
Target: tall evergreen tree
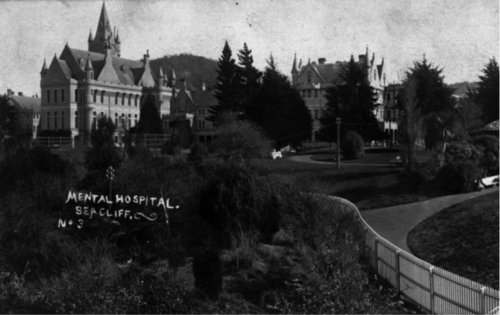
[[432, 93], [228, 85], [284, 116], [250, 83], [487, 93], [7, 118], [353, 100], [149, 120]]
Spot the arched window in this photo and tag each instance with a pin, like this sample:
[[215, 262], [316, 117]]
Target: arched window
[[95, 96], [123, 99], [102, 97], [117, 96], [129, 99]]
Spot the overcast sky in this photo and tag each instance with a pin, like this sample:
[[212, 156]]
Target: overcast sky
[[458, 35]]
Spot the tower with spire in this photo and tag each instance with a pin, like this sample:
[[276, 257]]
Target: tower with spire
[[104, 36]]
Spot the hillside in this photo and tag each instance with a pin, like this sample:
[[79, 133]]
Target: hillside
[[195, 69], [461, 87]]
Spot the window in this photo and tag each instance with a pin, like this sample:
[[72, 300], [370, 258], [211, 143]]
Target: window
[[308, 93], [116, 119], [130, 99], [62, 95], [62, 119], [48, 120], [55, 96], [94, 120], [95, 96], [102, 97], [76, 95], [135, 120], [123, 99], [308, 78], [48, 96], [136, 97], [315, 93], [316, 113], [129, 119], [76, 118], [388, 97], [55, 120]]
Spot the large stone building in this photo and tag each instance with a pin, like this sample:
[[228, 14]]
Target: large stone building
[[313, 79], [81, 85], [27, 113]]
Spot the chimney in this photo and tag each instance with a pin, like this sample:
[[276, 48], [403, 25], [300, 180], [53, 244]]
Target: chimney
[[321, 61], [361, 58], [20, 93], [203, 86]]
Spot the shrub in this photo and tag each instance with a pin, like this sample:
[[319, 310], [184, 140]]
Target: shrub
[[459, 177], [488, 145], [425, 172], [352, 145], [198, 152], [459, 151]]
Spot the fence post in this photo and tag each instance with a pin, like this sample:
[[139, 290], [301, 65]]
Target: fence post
[[431, 286], [398, 285], [483, 300], [376, 253]]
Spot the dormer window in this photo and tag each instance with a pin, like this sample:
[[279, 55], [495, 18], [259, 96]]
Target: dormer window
[[82, 62]]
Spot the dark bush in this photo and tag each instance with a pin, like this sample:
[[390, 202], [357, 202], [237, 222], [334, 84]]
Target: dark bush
[[352, 145], [459, 151], [426, 171], [459, 177], [198, 152], [488, 145]]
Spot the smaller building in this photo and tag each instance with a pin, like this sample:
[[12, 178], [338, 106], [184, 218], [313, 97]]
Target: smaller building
[[192, 105], [28, 110], [390, 111]]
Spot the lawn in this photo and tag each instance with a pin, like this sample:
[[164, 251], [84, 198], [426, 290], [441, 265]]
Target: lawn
[[367, 186], [462, 239], [372, 156]]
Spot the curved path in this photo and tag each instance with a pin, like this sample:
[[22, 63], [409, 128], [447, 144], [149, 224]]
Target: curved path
[[394, 223], [307, 159]]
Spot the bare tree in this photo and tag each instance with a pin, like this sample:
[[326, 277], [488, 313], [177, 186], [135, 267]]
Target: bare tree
[[411, 121]]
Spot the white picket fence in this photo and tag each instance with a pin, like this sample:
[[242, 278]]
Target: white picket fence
[[433, 289]]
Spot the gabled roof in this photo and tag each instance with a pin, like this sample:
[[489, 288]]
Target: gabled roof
[[65, 68], [129, 72], [204, 98], [27, 103]]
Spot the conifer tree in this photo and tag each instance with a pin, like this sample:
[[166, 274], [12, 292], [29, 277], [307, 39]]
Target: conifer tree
[[250, 83], [487, 94], [284, 115], [228, 86], [149, 120], [352, 100]]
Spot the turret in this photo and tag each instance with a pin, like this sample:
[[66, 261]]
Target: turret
[[295, 72], [44, 69], [172, 79], [160, 77], [89, 70], [118, 44]]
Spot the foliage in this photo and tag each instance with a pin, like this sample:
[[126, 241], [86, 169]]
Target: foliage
[[426, 171], [250, 85], [352, 145], [487, 93], [228, 85], [488, 146], [353, 101], [441, 128], [459, 177], [198, 152], [8, 118], [469, 111], [197, 70], [458, 151], [282, 114], [238, 140], [149, 119], [411, 122], [182, 134], [432, 93], [103, 152]]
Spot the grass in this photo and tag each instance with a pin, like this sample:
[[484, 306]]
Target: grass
[[367, 186], [463, 239]]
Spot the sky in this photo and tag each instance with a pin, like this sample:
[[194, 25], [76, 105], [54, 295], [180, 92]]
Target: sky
[[459, 36]]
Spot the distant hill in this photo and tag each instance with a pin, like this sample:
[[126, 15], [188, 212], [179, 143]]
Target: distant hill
[[461, 87], [195, 69]]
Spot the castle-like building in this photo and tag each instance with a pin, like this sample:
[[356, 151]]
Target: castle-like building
[[82, 85], [313, 79]]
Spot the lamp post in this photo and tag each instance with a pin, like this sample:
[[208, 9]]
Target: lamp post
[[338, 142]]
